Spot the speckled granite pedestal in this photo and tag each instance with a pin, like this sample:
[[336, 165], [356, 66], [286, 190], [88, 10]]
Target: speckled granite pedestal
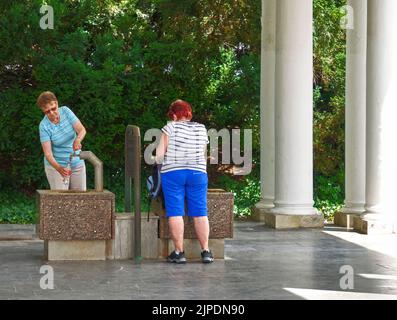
[[75, 225], [84, 226]]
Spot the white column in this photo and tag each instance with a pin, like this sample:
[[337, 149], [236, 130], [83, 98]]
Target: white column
[[381, 125], [355, 110], [294, 109], [268, 65]]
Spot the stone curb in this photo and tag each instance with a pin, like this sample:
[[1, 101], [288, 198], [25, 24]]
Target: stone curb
[[18, 232]]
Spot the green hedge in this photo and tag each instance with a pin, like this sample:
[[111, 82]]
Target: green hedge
[[115, 64]]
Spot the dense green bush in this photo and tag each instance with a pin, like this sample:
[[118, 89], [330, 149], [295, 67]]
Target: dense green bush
[[329, 194], [118, 63], [329, 99], [17, 208], [329, 87]]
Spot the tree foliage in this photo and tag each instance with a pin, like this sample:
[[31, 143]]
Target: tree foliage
[[122, 62], [329, 98]]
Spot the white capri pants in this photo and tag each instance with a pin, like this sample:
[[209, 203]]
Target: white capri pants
[[77, 181]]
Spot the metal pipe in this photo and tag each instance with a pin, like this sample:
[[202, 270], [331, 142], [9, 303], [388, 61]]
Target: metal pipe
[[98, 167]]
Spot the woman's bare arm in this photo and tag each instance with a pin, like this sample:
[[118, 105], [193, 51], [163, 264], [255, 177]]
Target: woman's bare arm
[[81, 132], [162, 148], [50, 158]]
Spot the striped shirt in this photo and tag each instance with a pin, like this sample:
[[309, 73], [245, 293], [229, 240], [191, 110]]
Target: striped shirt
[[62, 136], [187, 143]]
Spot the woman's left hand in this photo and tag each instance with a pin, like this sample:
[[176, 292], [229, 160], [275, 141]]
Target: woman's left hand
[[76, 144]]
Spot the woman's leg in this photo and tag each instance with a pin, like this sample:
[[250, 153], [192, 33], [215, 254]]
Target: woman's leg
[[196, 194], [173, 186], [202, 228], [78, 179], [176, 226], [55, 179]]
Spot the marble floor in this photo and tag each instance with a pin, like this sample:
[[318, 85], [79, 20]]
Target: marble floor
[[261, 263]]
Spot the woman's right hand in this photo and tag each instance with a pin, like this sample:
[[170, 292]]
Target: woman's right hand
[[65, 172]]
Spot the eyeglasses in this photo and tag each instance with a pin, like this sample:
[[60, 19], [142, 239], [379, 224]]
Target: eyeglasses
[[53, 109]]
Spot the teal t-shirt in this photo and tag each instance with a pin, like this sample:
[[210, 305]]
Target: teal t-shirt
[[62, 136]]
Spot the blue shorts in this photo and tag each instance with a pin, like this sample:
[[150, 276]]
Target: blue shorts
[[180, 184]]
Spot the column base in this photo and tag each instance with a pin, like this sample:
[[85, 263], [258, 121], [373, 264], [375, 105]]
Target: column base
[[284, 221], [342, 219], [353, 208], [374, 225], [258, 211]]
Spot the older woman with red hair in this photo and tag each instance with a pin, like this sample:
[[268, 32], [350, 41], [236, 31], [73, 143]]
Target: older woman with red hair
[[182, 152]]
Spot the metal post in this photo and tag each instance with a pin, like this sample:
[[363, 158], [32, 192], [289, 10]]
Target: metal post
[[128, 154], [133, 172]]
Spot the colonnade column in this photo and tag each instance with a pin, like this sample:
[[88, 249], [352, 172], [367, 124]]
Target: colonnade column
[[294, 118], [268, 65], [355, 111], [381, 122]]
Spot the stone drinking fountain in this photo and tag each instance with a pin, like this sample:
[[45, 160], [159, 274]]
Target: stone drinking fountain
[[75, 225]]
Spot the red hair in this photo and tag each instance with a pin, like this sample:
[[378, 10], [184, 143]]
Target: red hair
[[180, 109]]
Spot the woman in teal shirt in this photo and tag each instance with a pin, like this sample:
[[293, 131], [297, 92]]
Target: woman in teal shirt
[[61, 133]]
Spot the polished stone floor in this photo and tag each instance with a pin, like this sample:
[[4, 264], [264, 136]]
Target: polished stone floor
[[260, 263]]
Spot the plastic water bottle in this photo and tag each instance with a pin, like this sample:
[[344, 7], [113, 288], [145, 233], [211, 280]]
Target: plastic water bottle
[[67, 178]]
